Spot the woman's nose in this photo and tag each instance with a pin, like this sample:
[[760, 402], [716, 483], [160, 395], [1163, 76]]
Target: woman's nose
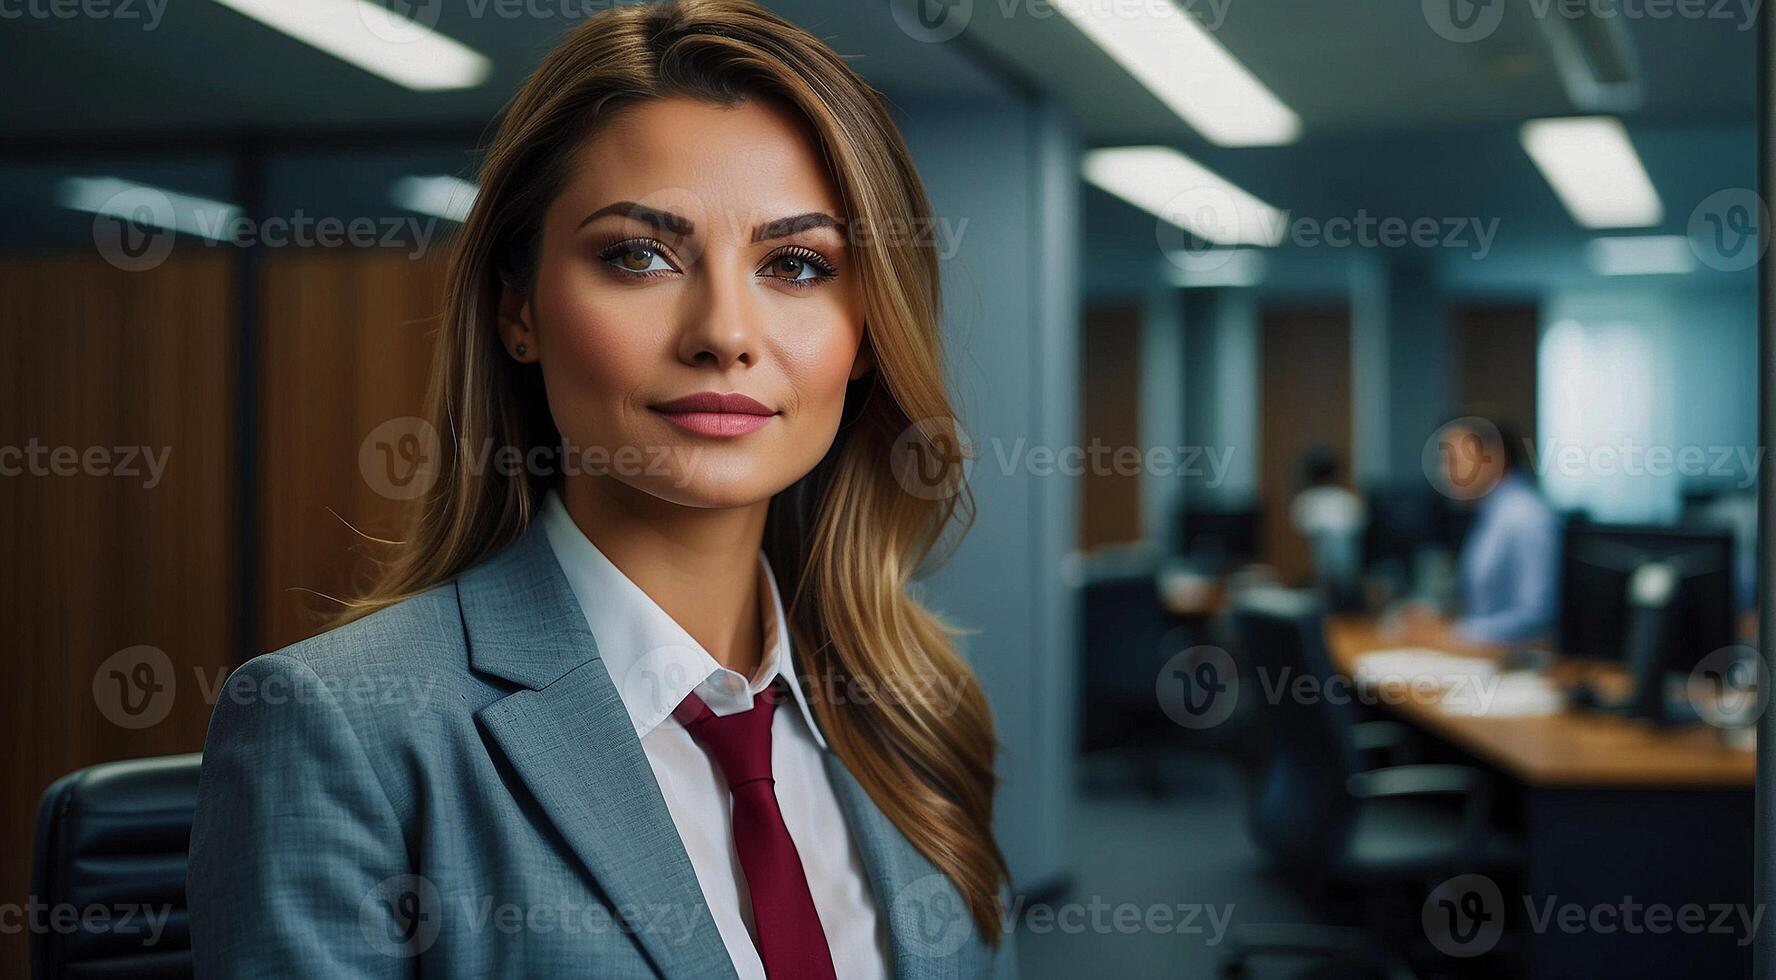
[[721, 326]]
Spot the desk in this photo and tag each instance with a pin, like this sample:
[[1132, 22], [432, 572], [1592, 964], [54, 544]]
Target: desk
[[1607, 808], [1569, 749]]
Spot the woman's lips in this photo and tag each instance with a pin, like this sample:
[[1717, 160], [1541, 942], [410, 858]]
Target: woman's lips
[[716, 423], [710, 413]]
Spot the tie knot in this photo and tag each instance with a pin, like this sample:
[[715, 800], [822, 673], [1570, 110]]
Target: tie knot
[[739, 743]]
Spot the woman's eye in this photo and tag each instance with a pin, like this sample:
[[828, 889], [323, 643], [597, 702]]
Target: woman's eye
[[790, 267], [798, 268], [638, 259]]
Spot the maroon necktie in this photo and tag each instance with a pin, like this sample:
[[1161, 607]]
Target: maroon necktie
[[790, 941]]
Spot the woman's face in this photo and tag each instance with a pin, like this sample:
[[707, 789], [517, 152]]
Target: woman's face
[[695, 307]]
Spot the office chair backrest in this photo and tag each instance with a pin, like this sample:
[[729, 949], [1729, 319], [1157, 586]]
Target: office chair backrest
[[111, 843], [1124, 628], [1300, 801]]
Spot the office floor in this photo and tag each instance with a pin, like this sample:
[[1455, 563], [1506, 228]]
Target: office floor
[[1188, 847]]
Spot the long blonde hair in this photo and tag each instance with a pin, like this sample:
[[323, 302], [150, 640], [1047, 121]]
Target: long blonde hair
[[846, 539]]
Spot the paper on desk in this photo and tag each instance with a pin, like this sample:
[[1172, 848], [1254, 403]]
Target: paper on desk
[[1515, 694], [1469, 686], [1422, 666]]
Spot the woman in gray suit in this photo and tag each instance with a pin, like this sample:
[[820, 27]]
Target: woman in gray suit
[[643, 692]]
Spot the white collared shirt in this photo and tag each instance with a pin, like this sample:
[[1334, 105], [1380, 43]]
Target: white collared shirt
[[654, 664]]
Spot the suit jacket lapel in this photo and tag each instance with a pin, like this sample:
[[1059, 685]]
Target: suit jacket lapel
[[570, 741], [930, 934]]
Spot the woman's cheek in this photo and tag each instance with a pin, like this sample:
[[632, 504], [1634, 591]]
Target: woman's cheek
[[822, 365], [596, 363]]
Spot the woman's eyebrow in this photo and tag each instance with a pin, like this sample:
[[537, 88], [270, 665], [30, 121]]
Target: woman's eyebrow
[[784, 227], [666, 221], [681, 226]]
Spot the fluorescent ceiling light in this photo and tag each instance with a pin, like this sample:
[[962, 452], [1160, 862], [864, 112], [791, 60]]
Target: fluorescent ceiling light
[[1179, 61], [1594, 171], [145, 204], [1166, 183], [375, 38], [1641, 255], [438, 195], [1216, 267]]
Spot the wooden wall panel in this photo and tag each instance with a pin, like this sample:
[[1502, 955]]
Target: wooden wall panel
[[346, 343], [1305, 401], [1496, 359], [94, 358], [1110, 397]]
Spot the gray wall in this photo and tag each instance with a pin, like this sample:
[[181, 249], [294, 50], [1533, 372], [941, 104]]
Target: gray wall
[[1162, 409], [1011, 325], [1221, 392], [1402, 378]]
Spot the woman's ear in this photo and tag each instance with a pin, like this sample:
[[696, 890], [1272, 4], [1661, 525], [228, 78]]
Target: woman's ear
[[517, 331]]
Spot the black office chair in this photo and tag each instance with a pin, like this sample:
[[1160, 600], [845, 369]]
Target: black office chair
[[1125, 638], [114, 836], [1323, 813]]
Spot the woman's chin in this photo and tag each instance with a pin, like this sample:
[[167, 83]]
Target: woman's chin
[[711, 490]]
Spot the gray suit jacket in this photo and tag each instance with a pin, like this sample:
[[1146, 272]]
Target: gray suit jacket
[[451, 787]]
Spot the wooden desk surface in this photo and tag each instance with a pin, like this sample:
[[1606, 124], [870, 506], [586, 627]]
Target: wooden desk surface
[[1573, 748]]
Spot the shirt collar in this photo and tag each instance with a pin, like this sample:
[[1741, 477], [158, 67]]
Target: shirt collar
[[1509, 485], [652, 660]]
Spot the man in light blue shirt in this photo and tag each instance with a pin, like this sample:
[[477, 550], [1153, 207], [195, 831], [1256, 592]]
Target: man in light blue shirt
[[1510, 563], [1510, 566]]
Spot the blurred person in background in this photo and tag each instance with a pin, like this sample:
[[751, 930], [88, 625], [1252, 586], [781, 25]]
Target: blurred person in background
[[1332, 519], [1509, 566], [657, 694]]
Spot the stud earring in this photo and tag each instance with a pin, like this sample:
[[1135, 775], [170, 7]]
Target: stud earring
[[522, 349]]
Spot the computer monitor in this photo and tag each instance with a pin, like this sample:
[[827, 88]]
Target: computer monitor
[[1657, 599], [1601, 559], [1219, 537], [1405, 521], [1734, 511], [1402, 520], [1699, 498]]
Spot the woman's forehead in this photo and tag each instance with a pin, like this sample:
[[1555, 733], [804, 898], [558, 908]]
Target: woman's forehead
[[727, 167]]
